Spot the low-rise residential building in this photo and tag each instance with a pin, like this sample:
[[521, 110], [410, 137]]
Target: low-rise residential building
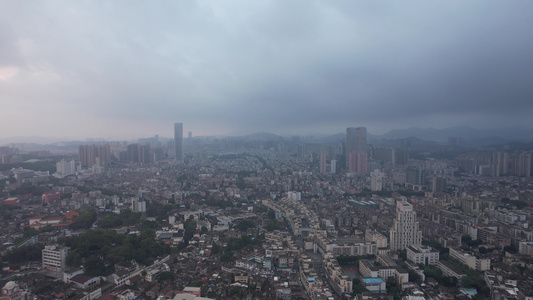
[[376, 237], [374, 285], [449, 270], [479, 264], [422, 254]]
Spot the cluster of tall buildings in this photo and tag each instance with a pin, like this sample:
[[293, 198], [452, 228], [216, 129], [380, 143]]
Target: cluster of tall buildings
[[90, 155], [499, 163], [518, 164]]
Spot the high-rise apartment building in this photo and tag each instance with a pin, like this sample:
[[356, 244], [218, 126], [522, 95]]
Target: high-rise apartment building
[[138, 205], [438, 186], [178, 141], [405, 229], [323, 162], [376, 180], [500, 163], [355, 144], [415, 176], [89, 155], [333, 166], [521, 164], [384, 154], [65, 168]]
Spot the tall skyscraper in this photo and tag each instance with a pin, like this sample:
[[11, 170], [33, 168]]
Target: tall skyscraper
[[355, 142], [405, 230], [333, 166], [376, 180], [323, 162], [178, 141]]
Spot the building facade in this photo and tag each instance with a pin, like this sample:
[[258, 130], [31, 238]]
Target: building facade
[[54, 257], [178, 141], [422, 255], [405, 230]]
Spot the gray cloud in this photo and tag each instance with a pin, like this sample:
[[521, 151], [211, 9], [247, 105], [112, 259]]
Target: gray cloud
[[239, 67]]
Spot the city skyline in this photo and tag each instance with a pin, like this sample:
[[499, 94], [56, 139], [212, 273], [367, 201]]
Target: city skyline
[[91, 70]]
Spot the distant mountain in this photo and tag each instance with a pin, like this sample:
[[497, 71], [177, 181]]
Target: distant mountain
[[332, 138], [30, 140], [464, 132], [260, 136]]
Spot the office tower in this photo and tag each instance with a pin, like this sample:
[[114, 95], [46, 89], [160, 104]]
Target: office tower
[[333, 166], [178, 141], [190, 134], [376, 180], [415, 176], [405, 229], [322, 162]]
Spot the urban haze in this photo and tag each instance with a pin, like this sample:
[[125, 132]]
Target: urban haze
[[202, 150]]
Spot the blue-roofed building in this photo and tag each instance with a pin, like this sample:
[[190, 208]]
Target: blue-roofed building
[[374, 285]]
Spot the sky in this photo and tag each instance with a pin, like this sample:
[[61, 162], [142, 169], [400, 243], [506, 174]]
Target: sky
[[126, 69]]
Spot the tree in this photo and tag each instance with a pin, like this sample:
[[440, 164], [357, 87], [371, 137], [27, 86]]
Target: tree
[[392, 287], [93, 266], [358, 287], [85, 220], [165, 276], [227, 256], [29, 232], [272, 225], [25, 253], [215, 249], [244, 225]]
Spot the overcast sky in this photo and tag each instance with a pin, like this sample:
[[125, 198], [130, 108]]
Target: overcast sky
[[125, 69]]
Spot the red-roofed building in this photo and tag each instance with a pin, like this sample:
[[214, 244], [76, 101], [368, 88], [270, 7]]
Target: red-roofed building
[[11, 201], [71, 215], [51, 197]]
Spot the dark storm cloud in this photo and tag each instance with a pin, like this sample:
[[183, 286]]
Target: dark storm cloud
[[286, 67]]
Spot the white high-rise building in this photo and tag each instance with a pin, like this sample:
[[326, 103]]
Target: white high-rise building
[[138, 205], [405, 230], [296, 196], [65, 168], [54, 257], [376, 180], [333, 166]]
